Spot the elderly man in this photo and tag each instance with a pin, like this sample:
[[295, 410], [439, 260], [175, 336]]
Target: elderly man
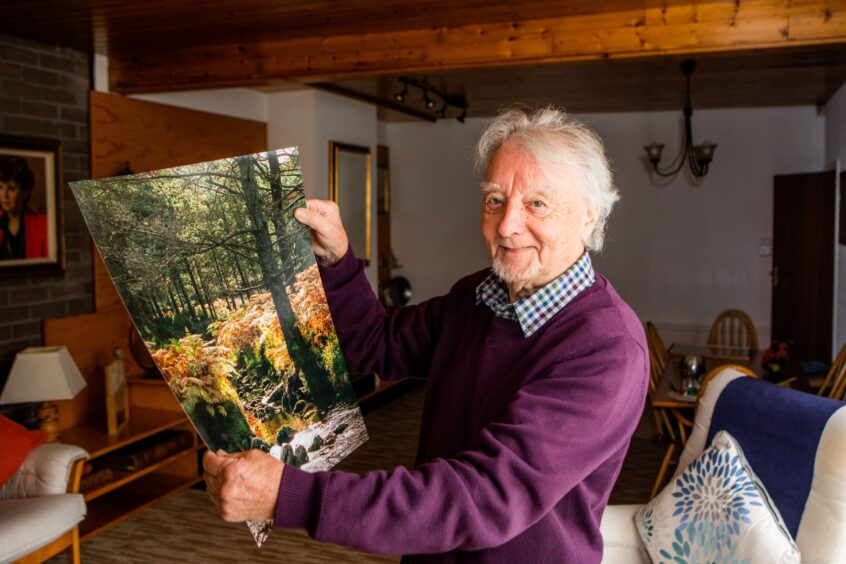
[[536, 375]]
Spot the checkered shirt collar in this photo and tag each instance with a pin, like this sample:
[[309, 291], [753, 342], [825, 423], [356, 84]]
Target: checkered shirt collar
[[533, 311]]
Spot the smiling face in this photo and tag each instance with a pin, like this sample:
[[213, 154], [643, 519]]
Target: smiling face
[[12, 197], [534, 222]]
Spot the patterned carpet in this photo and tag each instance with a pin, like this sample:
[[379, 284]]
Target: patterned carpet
[[185, 527]]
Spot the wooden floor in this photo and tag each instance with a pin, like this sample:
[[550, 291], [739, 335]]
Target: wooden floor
[[185, 527]]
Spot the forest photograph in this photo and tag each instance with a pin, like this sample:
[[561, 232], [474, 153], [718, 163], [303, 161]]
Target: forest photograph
[[222, 284]]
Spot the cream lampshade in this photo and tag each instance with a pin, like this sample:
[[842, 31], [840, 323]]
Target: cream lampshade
[[44, 374]]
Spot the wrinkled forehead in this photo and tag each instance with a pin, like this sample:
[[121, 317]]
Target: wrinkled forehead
[[514, 166]]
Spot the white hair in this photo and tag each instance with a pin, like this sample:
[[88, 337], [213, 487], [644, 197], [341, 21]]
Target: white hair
[[554, 138]]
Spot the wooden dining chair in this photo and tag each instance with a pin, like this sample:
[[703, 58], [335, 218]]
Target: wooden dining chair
[[685, 425], [657, 364], [656, 347], [834, 385], [733, 327]]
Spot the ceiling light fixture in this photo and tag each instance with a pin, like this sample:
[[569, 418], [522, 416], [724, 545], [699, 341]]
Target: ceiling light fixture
[[431, 96], [402, 94], [698, 157], [428, 101]]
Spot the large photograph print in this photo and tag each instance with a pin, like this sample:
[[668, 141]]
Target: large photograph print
[[222, 285]]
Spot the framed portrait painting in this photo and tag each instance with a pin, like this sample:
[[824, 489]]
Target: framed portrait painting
[[31, 237]]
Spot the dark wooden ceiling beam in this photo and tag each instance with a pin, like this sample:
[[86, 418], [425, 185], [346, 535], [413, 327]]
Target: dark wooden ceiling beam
[[656, 28]]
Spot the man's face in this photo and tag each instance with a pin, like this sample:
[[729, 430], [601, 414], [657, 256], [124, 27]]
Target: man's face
[[12, 197], [534, 222]]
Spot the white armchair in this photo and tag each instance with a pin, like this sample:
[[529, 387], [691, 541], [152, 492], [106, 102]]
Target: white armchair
[[40, 508], [795, 442]]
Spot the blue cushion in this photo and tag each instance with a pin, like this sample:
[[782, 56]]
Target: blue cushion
[[779, 430]]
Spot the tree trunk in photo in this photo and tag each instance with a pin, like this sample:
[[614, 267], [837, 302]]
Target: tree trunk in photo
[[317, 377], [153, 305], [196, 287], [276, 209], [173, 303], [183, 294], [209, 299], [282, 222], [245, 284], [230, 299]]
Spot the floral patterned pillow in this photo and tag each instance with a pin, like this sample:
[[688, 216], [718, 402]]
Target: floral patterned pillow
[[717, 510]]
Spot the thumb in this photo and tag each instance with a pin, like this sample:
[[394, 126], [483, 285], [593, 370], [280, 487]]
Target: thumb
[[301, 215], [323, 207], [319, 222]]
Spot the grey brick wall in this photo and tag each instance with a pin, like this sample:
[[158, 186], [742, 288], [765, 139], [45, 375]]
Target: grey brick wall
[[44, 93]]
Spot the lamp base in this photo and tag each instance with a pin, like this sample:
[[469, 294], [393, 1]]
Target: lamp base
[[48, 413]]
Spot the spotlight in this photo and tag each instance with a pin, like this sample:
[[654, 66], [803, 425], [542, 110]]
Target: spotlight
[[401, 95], [432, 98], [428, 101]]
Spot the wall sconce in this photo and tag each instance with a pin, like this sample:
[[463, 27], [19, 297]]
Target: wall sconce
[[698, 157], [447, 101]]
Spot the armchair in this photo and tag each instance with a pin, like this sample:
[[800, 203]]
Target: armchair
[[795, 443], [40, 507]]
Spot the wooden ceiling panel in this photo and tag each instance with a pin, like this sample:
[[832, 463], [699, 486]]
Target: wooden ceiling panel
[[116, 27], [613, 55], [650, 28], [767, 78]]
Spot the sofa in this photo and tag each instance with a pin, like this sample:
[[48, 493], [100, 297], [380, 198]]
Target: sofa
[[795, 442], [40, 509]]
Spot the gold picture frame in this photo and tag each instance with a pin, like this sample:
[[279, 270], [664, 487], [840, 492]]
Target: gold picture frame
[[350, 180]]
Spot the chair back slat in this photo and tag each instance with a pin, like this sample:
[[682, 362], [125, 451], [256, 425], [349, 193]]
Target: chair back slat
[[733, 327], [658, 356], [834, 385]]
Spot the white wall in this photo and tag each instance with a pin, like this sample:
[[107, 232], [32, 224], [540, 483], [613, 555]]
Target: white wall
[[291, 123], [236, 102], [835, 149], [835, 127], [310, 120], [435, 203], [678, 253]]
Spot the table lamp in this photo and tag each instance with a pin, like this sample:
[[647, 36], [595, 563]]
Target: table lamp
[[44, 374]]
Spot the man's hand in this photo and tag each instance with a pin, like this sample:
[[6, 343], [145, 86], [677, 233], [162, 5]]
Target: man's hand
[[328, 236], [244, 486]]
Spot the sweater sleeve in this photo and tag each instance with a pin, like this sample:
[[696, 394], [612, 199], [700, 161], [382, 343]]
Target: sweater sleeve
[[394, 346], [558, 429]]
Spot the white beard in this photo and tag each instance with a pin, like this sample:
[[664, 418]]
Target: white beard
[[512, 274]]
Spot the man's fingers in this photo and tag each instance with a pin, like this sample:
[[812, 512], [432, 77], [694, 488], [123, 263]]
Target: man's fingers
[[216, 464], [319, 222], [323, 207], [212, 491], [213, 463]]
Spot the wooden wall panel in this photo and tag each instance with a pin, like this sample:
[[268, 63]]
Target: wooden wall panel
[[151, 136]]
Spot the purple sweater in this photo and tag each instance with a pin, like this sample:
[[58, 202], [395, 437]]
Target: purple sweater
[[521, 440]]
